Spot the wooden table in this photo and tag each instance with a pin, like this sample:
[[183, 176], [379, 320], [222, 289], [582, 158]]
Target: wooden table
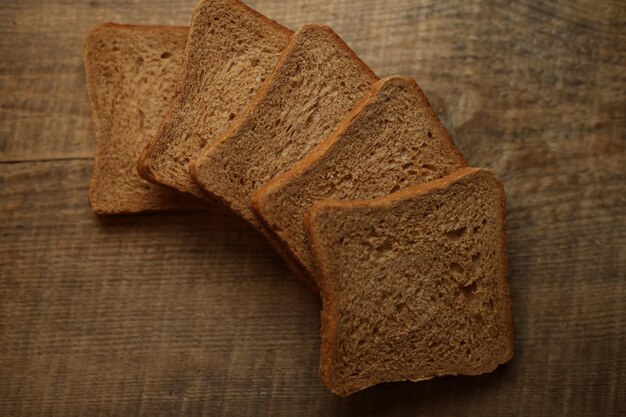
[[192, 314]]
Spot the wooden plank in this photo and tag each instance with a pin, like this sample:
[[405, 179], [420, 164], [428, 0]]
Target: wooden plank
[[495, 72], [192, 313]]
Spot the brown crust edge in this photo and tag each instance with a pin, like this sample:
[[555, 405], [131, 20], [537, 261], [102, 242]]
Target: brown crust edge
[[329, 311], [392, 198], [145, 166], [506, 285]]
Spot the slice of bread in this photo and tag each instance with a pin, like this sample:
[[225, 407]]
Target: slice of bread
[[414, 284], [316, 83], [390, 141], [231, 50], [131, 74]]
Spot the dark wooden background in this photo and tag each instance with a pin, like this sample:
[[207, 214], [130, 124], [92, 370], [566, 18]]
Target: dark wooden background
[[192, 314]]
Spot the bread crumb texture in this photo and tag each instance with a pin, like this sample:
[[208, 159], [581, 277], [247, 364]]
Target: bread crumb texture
[[414, 285]]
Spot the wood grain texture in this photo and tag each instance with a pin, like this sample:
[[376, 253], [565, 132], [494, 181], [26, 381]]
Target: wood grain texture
[[192, 314]]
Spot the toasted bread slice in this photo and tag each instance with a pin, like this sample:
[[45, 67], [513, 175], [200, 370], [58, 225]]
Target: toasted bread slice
[[316, 83], [414, 284], [230, 51], [131, 74], [390, 141]]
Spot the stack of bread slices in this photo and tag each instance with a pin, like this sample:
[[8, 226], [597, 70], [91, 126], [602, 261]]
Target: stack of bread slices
[[351, 178]]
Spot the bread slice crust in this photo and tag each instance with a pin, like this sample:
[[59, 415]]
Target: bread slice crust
[[231, 49], [358, 155], [122, 63], [423, 322]]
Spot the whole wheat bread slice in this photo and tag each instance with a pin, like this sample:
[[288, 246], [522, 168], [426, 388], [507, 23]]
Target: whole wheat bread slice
[[230, 51], [414, 284], [315, 84], [131, 74], [390, 141]]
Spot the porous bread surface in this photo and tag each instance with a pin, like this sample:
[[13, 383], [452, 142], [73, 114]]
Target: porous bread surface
[[413, 284], [390, 141], [131, 75], [316, 83], [230, 52]]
